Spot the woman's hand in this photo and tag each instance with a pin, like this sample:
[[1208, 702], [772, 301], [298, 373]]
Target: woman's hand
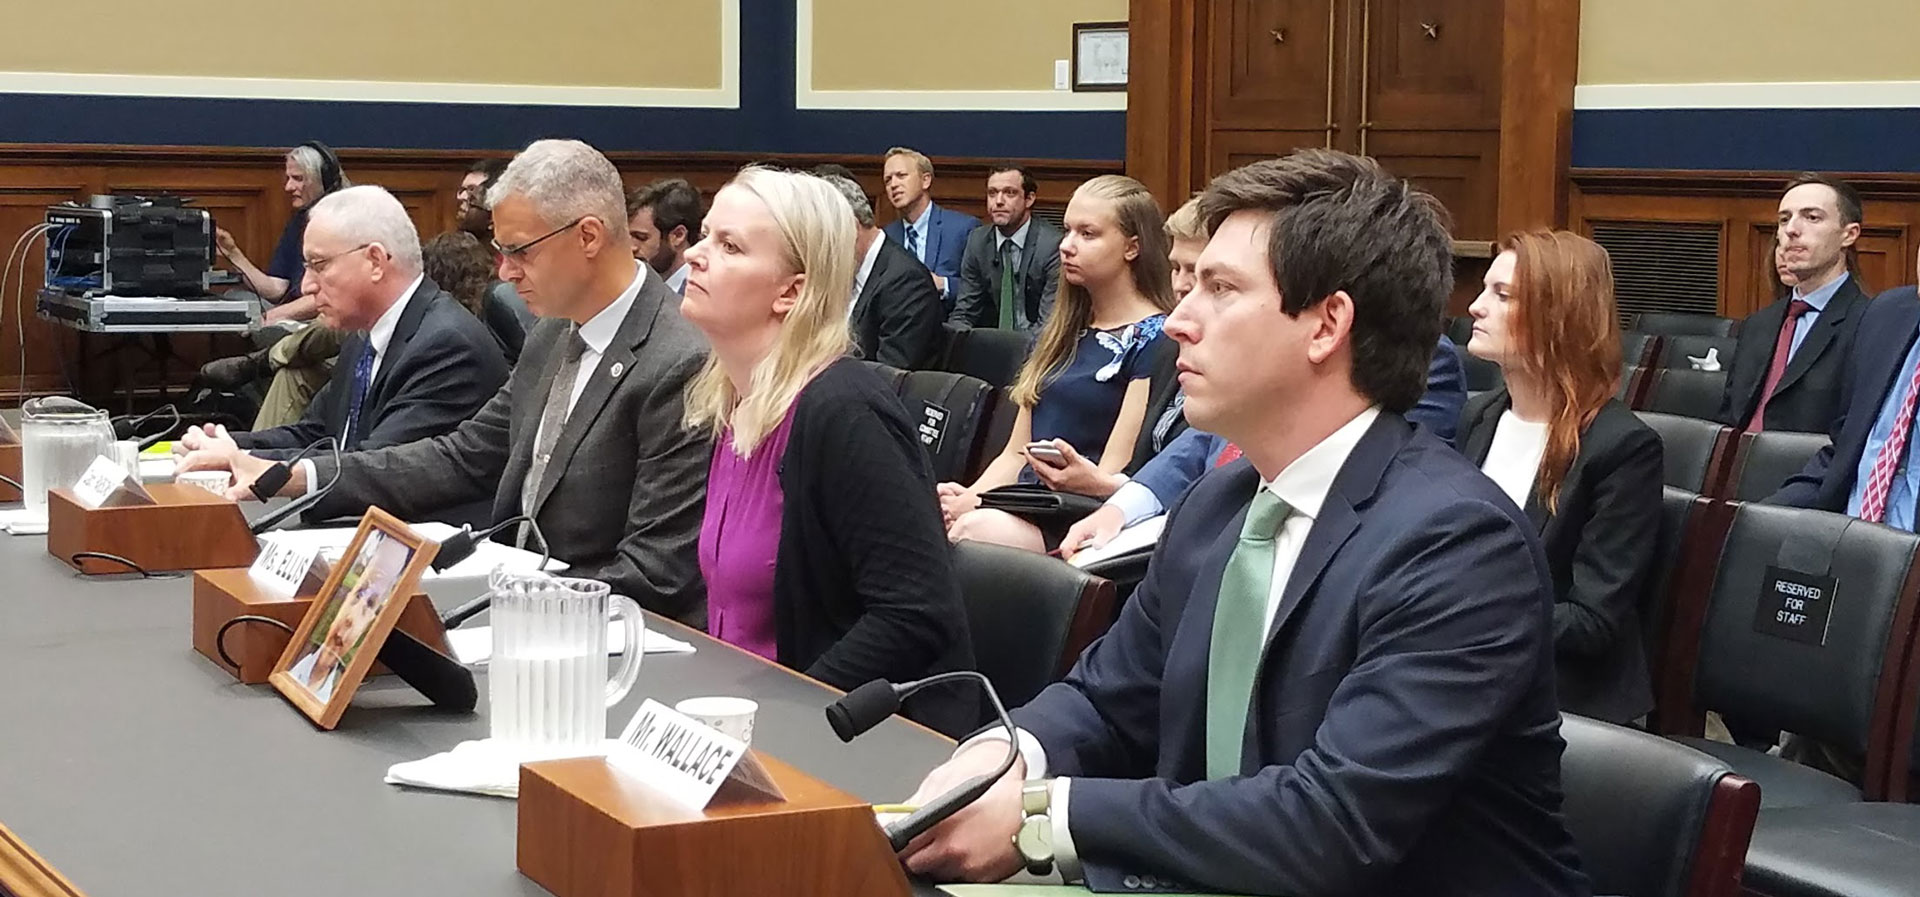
[[1074, 473], [955, 500]]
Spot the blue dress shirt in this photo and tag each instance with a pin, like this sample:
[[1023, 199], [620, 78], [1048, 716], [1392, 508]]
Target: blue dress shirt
[[1818, 299], [1906, 480]]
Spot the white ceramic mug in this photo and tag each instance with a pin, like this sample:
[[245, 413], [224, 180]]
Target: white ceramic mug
[[732, 717], [214, 481]]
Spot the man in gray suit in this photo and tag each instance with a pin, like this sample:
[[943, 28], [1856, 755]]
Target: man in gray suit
[[586, 437], [1012, 264]]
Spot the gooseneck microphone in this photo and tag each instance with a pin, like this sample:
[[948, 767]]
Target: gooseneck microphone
[[274, 478], [870, 704], [459, 546]]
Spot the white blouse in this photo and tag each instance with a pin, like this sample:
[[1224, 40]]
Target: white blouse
[[1513, 460]]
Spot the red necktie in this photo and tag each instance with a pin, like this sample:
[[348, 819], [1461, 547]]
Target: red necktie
[[1228, 455], [1873, 505], [1782, 348]]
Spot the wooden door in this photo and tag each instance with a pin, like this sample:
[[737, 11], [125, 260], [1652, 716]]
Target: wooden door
[[1273, 73], [1431, 65]]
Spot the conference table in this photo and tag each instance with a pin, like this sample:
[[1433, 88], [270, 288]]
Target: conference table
[[135, 767]]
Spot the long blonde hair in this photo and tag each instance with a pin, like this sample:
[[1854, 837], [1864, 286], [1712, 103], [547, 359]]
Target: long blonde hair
[[1137, 216], [816, 229]]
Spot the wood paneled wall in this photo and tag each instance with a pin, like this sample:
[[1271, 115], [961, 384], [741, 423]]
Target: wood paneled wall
[[242, 187], [1744, 205]]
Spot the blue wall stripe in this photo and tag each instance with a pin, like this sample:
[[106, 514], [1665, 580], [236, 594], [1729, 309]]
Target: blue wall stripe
[[1766, 139]]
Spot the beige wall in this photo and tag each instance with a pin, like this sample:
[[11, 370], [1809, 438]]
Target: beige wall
[[947, 44], [602, 43], [1713, 41]]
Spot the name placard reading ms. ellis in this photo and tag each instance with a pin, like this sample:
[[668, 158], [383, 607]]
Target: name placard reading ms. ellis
[[1795, 605]]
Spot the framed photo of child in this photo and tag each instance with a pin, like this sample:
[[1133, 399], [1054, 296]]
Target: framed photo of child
[[351, 617]]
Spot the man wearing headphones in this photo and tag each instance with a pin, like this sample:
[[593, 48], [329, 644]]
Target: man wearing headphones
[[297, 359]]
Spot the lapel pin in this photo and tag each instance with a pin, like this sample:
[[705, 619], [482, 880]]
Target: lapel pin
[[617, 368]]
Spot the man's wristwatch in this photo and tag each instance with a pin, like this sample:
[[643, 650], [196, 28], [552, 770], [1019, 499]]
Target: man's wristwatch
[[1035, 838]]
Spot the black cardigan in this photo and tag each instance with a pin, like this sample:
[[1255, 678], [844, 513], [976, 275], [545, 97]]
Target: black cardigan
[[863, 583], [1601, 546]]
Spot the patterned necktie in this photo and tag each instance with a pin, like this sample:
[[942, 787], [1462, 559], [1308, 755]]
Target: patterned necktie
[[362, 381], [1006, 285], [1873, 505], [553, 418], [1229, 453], [913, 242], [1239, 633], [1782, 350]]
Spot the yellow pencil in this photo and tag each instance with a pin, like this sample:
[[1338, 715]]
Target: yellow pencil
[[895, 808]]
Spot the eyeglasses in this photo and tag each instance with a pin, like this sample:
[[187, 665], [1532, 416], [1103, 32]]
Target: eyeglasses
[[319, 265], [519, 252]]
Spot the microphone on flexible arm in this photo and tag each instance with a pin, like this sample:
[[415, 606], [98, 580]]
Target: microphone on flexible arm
[[870, 704], [459, 546], [275, 477], [126, 426]]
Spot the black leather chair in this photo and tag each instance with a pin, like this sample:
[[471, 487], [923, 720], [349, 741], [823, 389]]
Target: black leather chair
[[1674, 324], [1460, 330], [1692, 450], [1639, 349], [1030, 615], [1632, 385], [1653, 818], [1687, 393], [1482, 375], [1681, 513], [951, 410], [894, 376], [1763, 461], [1680, 348], [988, 353], [1840, 686], [1840, 850]]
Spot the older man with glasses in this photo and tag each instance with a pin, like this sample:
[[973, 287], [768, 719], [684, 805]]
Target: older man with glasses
[[413, 362], [586, 438]]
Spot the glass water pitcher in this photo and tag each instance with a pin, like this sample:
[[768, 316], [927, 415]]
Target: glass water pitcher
[[548, 687], [59, 438]]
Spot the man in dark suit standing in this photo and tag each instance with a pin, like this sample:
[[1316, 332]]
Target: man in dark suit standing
[[1012, 264], [414, 363], [895, 312], [1787, 369], [587, 436], [933, 235], [1337, 677]]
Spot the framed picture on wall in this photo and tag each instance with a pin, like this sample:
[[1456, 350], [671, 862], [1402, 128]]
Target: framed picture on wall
[[1099, 56]]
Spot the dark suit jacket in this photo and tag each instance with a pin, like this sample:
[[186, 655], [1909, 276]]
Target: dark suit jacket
[[946, 237], [631, 482], [896, 317], [1601, 547], [1809, 392], [441, 366], [1405, 737], [1887, 329], [978, 304], [863, 583]]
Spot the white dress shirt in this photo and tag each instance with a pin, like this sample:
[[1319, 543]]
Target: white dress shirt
[[1513, 458], [1303, 485], [677, 281], [866, 270], [378, 336]]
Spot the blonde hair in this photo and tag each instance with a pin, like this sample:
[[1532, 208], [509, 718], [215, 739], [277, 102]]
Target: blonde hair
[[816, 230], [918, 158], [1185, 224], [1137, 216]]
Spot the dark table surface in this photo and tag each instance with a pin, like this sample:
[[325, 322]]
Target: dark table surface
[[137, 768]]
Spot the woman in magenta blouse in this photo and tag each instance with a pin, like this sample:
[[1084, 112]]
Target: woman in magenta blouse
[[822, 545]]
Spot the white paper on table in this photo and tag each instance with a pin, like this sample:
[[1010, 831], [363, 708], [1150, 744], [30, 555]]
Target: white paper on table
[[473, 645], [156, 470], [473, 767], [23, 522], [486, 556], [1144, 534]]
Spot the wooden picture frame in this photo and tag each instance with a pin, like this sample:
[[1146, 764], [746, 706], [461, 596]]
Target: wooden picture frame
[[326, 659], [1100, 52]]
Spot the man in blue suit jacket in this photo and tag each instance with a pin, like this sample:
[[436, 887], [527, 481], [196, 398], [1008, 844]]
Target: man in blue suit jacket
[[1337, 677], [1878, 377], [935, 236]]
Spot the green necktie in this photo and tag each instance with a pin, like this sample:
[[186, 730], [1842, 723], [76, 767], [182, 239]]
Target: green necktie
[[1240, 633], [1006, 285]]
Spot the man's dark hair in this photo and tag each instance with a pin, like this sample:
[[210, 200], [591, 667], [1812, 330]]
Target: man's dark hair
[[1027, 184], [492, 168], [674, 203], [1340, 222], [833, 169], [1848, 198]]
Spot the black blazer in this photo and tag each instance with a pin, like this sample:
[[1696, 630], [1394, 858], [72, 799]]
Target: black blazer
[[896, 317], [978, 303], [440, 367], [1809, 393], [1886, 334], [1403, 739], [863, 582], [1601, 546]]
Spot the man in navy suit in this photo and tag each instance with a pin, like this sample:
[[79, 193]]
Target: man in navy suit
[[935, 236], [1867, 471], [1337, 677]]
